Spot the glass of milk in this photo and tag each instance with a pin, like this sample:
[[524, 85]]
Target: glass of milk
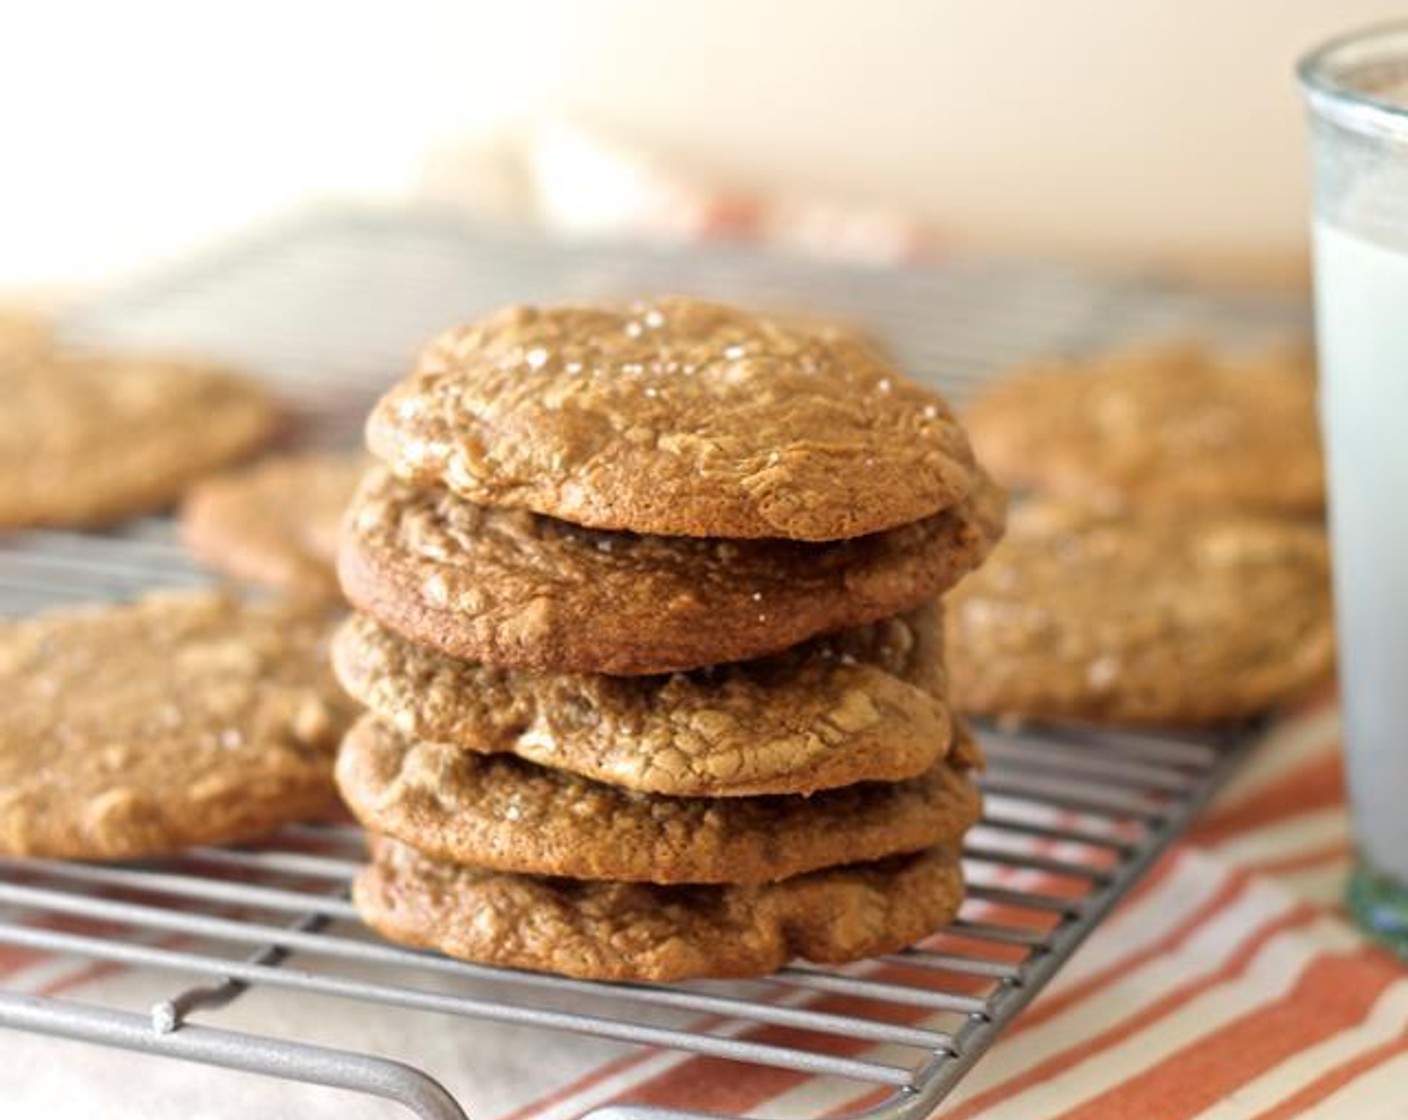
[[1357, 89]]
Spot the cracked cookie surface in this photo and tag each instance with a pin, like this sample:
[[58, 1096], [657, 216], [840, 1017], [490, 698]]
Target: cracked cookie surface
[[499, 811], [1096, 616], [1171, 425], [634, 931], [88, 438], [183, 718], [860, 705], [674, 417], [275, 523], [513, 588]]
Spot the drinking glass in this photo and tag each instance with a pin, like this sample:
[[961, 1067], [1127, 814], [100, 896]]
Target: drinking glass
[[1357, 91]]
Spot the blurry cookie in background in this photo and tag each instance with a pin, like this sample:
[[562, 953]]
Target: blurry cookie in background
[[23, 331], [183, 718], [276, 522], [1174, 425], [1149, 619], [88, 438]]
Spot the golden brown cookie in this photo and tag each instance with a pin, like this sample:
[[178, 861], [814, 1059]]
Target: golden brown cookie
[[179, 719], [828, 326], [674, 417], [276, 522], [862, 705], [512, 588], [1190, 620], [23, 332], [90, 438], [1171, 426], [499, 811], [634, 931]]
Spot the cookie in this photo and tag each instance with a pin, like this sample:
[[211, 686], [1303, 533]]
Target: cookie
[[633, 931], [516, 589], [23, 333], [499, 811], [87, 439], [862, 705], [276, 522], [1151, 620], [180, 719], [828, 327], [1168, 426], [674, 417]]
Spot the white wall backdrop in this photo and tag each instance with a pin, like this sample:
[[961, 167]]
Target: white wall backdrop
[[1114, 127]]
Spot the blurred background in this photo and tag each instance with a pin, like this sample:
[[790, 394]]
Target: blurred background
[[1146, 133]]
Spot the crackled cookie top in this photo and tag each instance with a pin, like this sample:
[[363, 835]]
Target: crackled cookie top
[[1188, 620], [509, 587], [675, 417], [1173, 425], [179, 719], [89, 438], [276, 522], [862, 705], [635, 931], [499, 811]]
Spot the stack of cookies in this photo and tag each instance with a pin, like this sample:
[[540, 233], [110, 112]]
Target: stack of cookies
[[649, 640]]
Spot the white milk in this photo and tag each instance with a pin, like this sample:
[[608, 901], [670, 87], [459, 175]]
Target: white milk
[[1362, 322]]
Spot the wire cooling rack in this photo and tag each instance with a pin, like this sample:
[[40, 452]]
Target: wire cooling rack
[[330, 305]]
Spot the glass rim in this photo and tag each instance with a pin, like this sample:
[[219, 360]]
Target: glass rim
[[1323, 79]]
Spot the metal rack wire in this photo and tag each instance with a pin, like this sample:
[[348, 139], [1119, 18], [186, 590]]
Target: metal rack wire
[[1073, 818], [942, 1002]]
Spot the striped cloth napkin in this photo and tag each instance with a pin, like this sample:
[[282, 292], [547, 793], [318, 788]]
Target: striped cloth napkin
[[1229, 986]]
